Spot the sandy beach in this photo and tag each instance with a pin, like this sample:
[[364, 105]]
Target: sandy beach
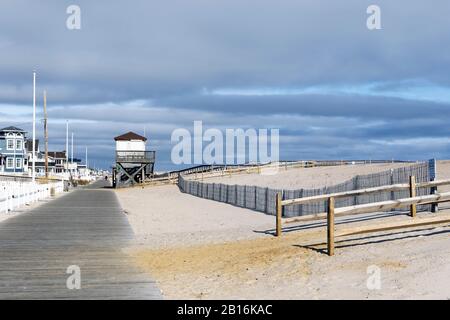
[[163, 216], [414, 266], [202, 249]]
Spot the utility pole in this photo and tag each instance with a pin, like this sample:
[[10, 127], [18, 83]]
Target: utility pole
[[46, 134], [67, 146], [33, 173], [87, 166]]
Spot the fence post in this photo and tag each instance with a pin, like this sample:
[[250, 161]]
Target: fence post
[[392, 182], [278, 214], [432, 176], [330, 227], [412, 194], [435, 205]]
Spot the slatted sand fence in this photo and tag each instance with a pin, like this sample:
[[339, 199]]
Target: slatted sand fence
[[263, 199]]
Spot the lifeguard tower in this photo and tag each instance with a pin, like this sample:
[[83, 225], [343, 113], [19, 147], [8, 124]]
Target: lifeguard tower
[[133, 163]]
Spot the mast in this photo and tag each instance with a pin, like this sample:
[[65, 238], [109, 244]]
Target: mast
[[46, 134]]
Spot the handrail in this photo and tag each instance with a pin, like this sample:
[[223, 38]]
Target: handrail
[[131, 155]]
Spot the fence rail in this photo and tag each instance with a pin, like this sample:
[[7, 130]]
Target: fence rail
[[412, 202], [394, 187], [16, 177]]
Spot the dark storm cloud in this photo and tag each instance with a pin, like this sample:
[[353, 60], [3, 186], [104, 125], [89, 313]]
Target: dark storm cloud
[[157, 64], [148, 49], [364, 107]]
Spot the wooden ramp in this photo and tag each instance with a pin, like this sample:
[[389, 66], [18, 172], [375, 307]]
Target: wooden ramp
[[85, 228]]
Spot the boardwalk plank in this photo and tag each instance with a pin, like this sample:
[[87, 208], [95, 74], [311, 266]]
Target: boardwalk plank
[[86, 228]]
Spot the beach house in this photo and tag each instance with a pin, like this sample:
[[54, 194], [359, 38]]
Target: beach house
[[13, 155], [39, 159]]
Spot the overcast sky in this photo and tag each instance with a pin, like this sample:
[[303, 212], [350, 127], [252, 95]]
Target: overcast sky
[[335, 89]]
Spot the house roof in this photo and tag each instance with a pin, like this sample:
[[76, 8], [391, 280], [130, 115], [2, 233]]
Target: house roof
[[12, 129], [130, 136]]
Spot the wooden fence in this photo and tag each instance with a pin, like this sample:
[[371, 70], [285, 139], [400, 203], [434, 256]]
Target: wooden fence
[[332, 212], [14, 194]]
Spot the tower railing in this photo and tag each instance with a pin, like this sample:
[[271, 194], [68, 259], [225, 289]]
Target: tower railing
[[135, 156]]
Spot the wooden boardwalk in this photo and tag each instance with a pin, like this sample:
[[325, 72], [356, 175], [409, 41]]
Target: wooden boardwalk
[[85, 228]]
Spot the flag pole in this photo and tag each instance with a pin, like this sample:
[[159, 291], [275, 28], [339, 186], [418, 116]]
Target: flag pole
[[46, 134], [33, 172]]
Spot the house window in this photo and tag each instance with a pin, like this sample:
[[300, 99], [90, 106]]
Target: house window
[[10, 144], [10, 163], [18, 163], [18, 144]]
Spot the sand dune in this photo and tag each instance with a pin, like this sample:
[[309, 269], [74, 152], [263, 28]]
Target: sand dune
[[316, 177]]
